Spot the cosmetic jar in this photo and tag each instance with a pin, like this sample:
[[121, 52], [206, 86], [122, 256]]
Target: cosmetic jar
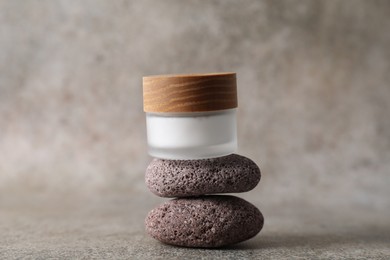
[[191, 116]]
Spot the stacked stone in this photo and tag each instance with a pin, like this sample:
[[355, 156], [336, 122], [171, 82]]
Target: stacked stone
[[191, 129], [196, 218]]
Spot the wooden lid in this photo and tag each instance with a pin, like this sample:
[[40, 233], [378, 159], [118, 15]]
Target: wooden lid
[[190, 93]]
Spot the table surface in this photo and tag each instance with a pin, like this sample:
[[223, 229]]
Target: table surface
[[39, 226]]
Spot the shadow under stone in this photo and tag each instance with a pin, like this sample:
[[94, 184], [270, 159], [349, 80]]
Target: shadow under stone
[[268, 241]]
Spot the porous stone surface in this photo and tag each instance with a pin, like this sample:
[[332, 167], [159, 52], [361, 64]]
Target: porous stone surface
[[206, 221], [180, 178]]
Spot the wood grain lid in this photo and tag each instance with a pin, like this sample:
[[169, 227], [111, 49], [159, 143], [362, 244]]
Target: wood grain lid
[[190, 92]]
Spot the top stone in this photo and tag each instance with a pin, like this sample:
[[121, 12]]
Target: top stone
[[183, 178]]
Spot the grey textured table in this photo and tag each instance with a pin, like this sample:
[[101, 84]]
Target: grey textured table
[[70, 226]]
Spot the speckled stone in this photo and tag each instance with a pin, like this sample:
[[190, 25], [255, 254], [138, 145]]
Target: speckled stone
[[181, 178], [206, 221]]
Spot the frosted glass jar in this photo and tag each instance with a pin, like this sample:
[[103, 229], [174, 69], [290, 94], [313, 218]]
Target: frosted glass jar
[[192, 135], [191, 116]]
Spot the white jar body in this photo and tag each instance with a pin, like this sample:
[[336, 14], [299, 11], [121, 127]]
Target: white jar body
[[190, 136]]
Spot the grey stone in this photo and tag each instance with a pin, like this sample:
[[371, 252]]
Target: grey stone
[[207, 221], [181, 178]]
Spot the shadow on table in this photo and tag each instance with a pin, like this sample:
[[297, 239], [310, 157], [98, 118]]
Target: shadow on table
[[268, 241]]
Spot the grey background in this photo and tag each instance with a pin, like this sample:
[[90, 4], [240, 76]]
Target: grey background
[[314, 105]]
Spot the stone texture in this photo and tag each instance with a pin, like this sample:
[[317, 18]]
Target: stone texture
[[180, 178], [206, 221]]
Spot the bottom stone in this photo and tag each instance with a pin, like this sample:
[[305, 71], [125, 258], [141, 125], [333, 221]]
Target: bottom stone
[[205, 221]]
